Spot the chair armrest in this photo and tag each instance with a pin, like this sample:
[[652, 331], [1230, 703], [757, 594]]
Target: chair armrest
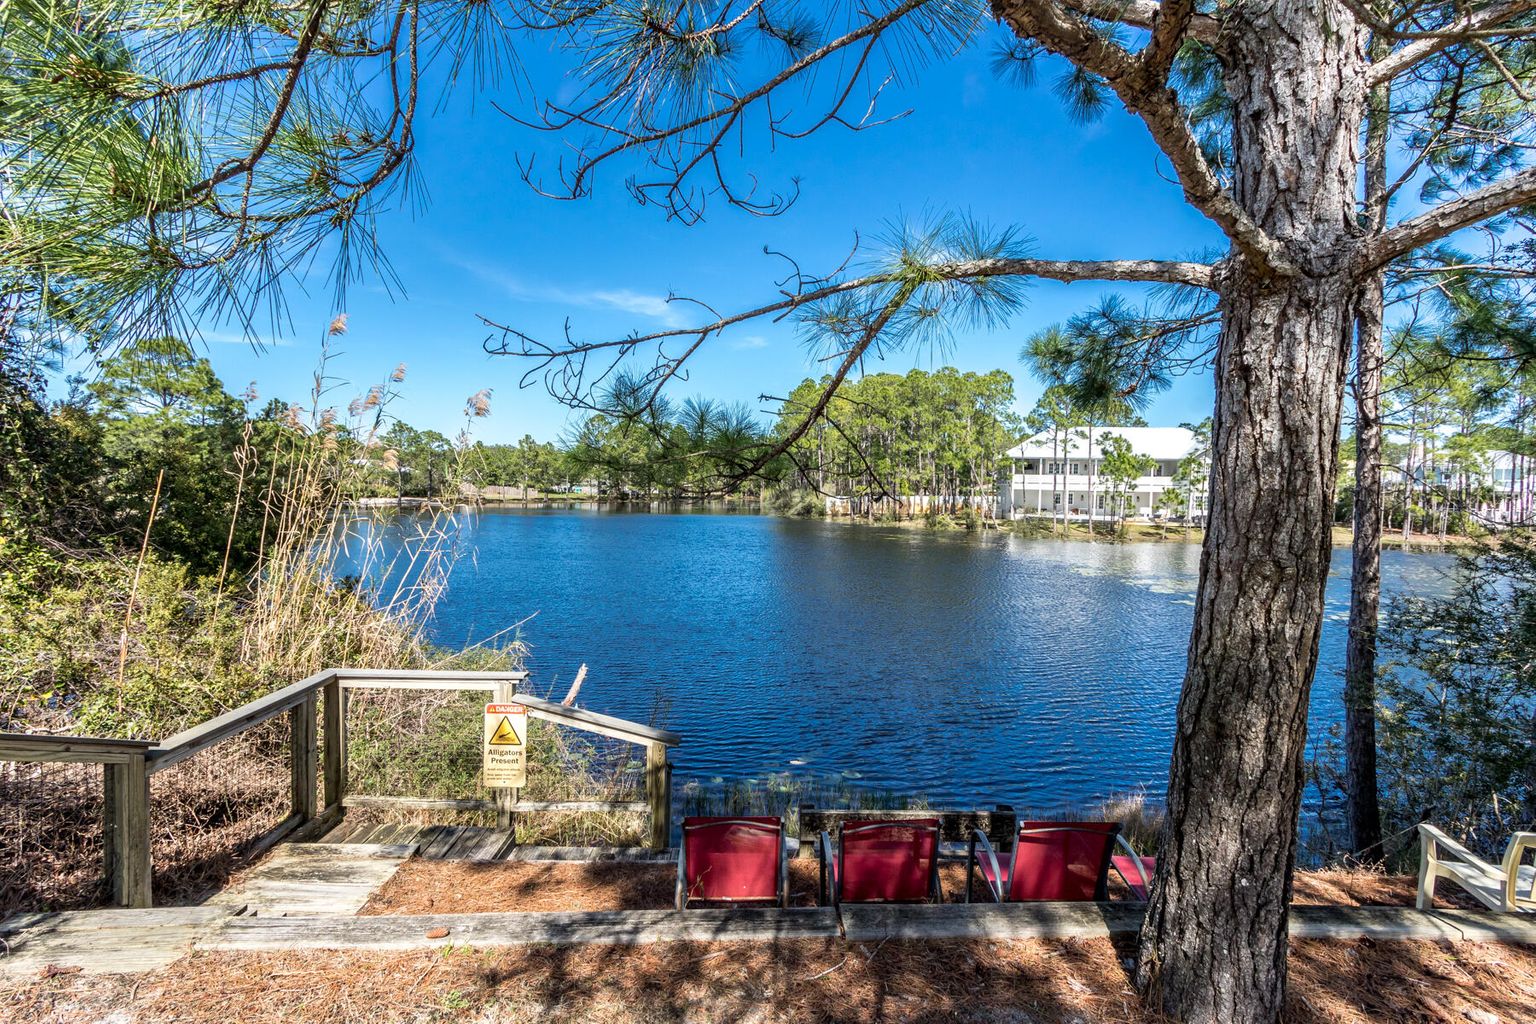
[[1438, 844], [828, 868], [1141, 869], [1518, 844], [995, 885], [783, 868], [680, 897]]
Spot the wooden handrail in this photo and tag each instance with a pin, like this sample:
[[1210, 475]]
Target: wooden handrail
[[184, 744], [44, 747], [433, 679], [344, 672], [364, 677], [591, 721], [129, 763]]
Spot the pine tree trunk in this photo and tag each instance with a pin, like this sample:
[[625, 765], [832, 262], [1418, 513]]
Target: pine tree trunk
[[1365, 586], [1213, 947], [1365, 572]]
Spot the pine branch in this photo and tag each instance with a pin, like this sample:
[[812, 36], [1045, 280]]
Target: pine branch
[[1198, 275], [1149, 97], [1146, 14], [716, 121], [1169, 28], [1433, 225], [1482, 23]]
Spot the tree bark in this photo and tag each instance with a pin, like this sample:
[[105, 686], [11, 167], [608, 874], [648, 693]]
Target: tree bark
[[1213, 947], [1361, 786], [1365, 585]]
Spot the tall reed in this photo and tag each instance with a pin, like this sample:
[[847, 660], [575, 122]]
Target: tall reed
[[337, 580]]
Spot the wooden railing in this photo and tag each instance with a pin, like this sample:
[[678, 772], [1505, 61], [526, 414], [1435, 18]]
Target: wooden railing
[[319, 790], [506, 803], [125, 801]]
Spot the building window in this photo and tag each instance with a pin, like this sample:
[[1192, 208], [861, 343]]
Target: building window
[[1056, 500]]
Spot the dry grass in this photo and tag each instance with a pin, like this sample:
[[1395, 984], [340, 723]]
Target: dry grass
[[203, 813], [332, 585], [315, 535], [50, 836], [1027, 982], [208, 810]]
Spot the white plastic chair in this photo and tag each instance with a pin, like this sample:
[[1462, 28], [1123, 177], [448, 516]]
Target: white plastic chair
[[1508, 885]]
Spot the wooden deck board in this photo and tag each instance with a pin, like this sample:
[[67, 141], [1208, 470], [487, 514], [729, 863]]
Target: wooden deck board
[[441, 842], [361, 834], [380, 834], [615, 927], [303, 879], [398, 833], [344, 832], [111, 941], [105, 941], [872, 923], [480, 844]]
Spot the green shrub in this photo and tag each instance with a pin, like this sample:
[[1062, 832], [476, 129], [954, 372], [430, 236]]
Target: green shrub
[[1455, 720]]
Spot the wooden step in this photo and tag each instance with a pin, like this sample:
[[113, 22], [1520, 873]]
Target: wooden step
[[105, 941], [304, 879]]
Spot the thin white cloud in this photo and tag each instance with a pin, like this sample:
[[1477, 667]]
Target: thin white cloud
[[236, 338], [626, 300], [750, 341], [630, 302]]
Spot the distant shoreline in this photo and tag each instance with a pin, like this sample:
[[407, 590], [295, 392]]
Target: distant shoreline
[[1030, 529]]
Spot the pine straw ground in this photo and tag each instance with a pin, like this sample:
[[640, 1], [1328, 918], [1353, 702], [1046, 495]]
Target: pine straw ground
[[828, 981], [1033, 982], [461, 887]]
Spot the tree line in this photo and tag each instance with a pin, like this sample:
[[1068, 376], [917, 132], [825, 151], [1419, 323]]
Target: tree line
[[886, 438], [1458, 437], [157, 427]]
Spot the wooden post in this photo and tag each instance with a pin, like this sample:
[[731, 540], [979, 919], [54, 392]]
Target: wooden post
[[126, 832], [302, 750], [658, 793], [335, 744], [109, 829], [505, 799]]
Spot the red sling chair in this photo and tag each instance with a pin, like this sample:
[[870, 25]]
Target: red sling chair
[[1051, 860], [882, 861], [733, 860]]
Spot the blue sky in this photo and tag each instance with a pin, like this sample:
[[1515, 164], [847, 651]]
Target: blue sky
[[486, 244]]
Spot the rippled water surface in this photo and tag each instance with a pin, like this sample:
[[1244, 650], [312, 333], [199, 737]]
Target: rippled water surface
[[969, 669]]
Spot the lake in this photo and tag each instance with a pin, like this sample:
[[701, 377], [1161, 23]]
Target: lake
[[969, 669]]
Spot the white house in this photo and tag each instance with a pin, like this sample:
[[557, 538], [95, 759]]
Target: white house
[[1503, 484], [1051, 475], [1514, 487]]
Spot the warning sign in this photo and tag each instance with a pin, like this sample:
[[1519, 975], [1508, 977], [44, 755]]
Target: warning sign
[[506, 740]]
